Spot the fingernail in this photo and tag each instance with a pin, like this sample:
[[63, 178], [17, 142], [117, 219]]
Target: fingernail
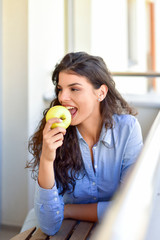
[[60, 120]]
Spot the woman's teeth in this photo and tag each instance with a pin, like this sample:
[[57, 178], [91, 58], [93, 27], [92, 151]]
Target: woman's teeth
[[72, 110], [69, 108]]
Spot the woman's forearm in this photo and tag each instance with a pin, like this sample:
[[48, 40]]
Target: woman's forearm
[[49, 206], [52, 139], [46, 177], [83, 212]]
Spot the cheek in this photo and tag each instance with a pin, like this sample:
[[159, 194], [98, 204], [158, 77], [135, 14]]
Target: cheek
[[58, 96], [86, 107]]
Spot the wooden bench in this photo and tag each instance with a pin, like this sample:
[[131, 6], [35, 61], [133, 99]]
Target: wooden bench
[[70, 230]]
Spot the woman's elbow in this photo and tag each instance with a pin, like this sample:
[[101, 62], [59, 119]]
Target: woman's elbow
[[51, 230]]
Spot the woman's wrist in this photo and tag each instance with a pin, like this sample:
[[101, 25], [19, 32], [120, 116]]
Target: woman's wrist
[[66, 211], [46, 177]]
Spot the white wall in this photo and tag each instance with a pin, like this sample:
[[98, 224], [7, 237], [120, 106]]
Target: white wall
[[148, 107], [0, 107], [157, 40], [45, 48], [32, 44], [108, 32], [82, 25], [146, 117], [15, 111]]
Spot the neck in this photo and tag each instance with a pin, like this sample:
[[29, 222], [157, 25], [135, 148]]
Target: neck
[[91, 131]]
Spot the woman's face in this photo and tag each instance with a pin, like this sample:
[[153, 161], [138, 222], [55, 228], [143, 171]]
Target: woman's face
[[77, 94]]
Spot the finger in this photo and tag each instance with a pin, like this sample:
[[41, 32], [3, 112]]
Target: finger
[[58, 130], [53, 132], [50, 140], [49, 123], [52, 146], [58, 144], [57, 137]]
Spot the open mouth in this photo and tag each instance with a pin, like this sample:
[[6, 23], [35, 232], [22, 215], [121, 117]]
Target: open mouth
[[72, 110]]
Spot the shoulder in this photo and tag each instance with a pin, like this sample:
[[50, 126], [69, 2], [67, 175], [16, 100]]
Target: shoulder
[[126, 122], [127, 127], [124, 119]]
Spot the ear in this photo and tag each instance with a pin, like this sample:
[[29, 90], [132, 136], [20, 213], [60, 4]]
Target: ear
[[102, 92]]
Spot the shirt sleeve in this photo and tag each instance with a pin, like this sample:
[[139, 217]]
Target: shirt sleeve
[[49, 209], [102, 208], [132, 149]]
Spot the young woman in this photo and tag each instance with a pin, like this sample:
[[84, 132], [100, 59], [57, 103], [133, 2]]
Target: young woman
[[80, 169]]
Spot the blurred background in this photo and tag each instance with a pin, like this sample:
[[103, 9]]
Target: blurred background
[[34, 36]]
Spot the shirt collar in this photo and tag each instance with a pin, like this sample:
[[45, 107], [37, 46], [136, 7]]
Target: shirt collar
[[105, 135], [78, 134]]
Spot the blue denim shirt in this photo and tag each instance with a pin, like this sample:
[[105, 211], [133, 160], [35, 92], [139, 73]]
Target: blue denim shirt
[[114, 153]]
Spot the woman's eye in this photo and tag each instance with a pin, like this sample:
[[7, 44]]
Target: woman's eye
[[74, 89], [59, 89]]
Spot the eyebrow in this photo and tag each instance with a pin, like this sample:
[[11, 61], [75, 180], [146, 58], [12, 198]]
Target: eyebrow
[[71, 85]]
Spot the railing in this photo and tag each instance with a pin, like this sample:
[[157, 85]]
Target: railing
[[136, 74], [150, 77], [136, 207], [49, 95], [151, 98]]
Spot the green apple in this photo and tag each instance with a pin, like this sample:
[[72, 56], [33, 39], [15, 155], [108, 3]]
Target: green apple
[[59, 112]]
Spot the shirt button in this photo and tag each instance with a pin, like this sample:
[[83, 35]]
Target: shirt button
[[93, 183], [55, 199], [57, 212], [55, 193], [95, 166]]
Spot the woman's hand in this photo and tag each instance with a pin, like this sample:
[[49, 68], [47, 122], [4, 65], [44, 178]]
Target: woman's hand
[[52, 139]]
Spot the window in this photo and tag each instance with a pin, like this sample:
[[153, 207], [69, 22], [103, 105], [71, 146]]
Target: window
[[132, 32], [124, 33]]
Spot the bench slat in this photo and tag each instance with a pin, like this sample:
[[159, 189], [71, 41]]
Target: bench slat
[[65, 230], [70, 229], [82, 231], [92, 232], [24, 235], [39, 235]]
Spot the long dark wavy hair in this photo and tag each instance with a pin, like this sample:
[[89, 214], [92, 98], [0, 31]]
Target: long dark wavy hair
[[68, 163]]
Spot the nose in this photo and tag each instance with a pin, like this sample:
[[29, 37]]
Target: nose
[[63, 96]]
